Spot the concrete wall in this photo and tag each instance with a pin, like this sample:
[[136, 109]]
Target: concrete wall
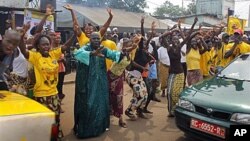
[[209, 6], [216, 7]]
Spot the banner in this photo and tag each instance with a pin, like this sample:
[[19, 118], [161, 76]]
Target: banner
[[235, 23], [35, 17]]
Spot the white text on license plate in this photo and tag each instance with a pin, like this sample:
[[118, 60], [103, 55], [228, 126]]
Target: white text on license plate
[[208, 128]]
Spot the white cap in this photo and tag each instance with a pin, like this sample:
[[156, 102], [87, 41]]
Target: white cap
[[115, 29], [109, 30]]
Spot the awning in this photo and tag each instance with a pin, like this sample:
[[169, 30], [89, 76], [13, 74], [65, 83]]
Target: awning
[[124, 20]]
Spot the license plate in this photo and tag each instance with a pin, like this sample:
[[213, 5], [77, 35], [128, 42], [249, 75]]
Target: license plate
[[208, 128]]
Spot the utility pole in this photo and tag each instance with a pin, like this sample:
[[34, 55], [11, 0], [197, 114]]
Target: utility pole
[[182, 4], [248, 17]]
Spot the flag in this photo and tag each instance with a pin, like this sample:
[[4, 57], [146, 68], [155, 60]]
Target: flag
[[235, 23]]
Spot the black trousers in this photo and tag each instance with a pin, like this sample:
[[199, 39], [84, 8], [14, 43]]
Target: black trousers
[[60, 83], [184, 65]]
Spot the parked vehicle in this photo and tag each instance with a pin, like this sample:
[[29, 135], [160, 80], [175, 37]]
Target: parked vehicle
[[23, 119], [207, 109]]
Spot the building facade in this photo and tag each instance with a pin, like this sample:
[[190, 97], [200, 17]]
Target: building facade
[[215, 7]]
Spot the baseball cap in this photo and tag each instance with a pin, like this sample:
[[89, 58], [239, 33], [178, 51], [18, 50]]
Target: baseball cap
[[238, 31]]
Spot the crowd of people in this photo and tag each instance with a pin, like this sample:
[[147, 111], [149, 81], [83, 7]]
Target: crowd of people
[[168, 61]]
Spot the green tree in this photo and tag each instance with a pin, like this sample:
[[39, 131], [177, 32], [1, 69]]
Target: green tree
[[191, 8], [129, 5], [168, 9]]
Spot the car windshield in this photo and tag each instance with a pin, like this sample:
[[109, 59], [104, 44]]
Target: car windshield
[[238, 69]]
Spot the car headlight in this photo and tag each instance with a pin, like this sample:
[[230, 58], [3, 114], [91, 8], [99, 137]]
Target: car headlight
[[241, 118], [186, 104]]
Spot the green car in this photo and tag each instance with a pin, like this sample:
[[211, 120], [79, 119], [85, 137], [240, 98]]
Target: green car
[[207, 109]]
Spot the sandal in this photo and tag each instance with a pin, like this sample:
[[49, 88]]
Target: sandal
[[122, 124], [130, 115]]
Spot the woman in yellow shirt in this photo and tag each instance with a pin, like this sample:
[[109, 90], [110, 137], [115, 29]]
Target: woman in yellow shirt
[[83, 36], [194, 51], [45, 62]]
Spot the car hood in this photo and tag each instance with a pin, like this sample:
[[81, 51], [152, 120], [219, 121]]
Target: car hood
[[220, 93]]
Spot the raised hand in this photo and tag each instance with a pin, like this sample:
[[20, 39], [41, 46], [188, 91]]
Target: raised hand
[[142, 19], [153, 25], [179, 23], [110, 12], [26, 27], [196, 19], [68, 7], [49, 10]]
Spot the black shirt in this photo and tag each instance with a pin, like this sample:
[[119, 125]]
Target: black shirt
[[175, 61]]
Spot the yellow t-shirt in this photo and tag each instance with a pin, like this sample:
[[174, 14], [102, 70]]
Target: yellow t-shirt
[[193, 59], [207, 61], [132, 54], [83, 39], [112, 46], [46, 72], [241, 49], [220, 60]]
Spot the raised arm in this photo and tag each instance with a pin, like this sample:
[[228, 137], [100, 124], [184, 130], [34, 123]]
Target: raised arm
[[153, 26], [49, 11], [68, 43], [142, 26], [181, 32], [189, 33], [203, 44], [76, 26], [22, 45], [106, 25]]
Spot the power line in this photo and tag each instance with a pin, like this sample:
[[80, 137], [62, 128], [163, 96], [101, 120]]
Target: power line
[[153, 3]]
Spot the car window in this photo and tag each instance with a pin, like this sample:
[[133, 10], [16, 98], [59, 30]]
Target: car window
[[238, 69]]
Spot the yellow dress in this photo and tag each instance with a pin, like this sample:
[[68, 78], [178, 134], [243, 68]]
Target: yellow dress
[[193, 59]]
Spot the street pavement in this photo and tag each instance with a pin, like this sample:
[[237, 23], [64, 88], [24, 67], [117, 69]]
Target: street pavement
[[157, 128]]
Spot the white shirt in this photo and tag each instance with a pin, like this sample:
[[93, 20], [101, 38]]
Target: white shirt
[[183, 49], [20, 65], [163, 56], [120, 44], [157, 41]]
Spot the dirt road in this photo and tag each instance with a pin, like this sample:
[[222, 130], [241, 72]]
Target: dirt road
[[157, 128]]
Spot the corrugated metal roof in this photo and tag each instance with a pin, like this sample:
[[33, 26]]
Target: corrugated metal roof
[[99, 16]]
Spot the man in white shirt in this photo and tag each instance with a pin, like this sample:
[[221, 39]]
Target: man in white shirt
[[164, 64]]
